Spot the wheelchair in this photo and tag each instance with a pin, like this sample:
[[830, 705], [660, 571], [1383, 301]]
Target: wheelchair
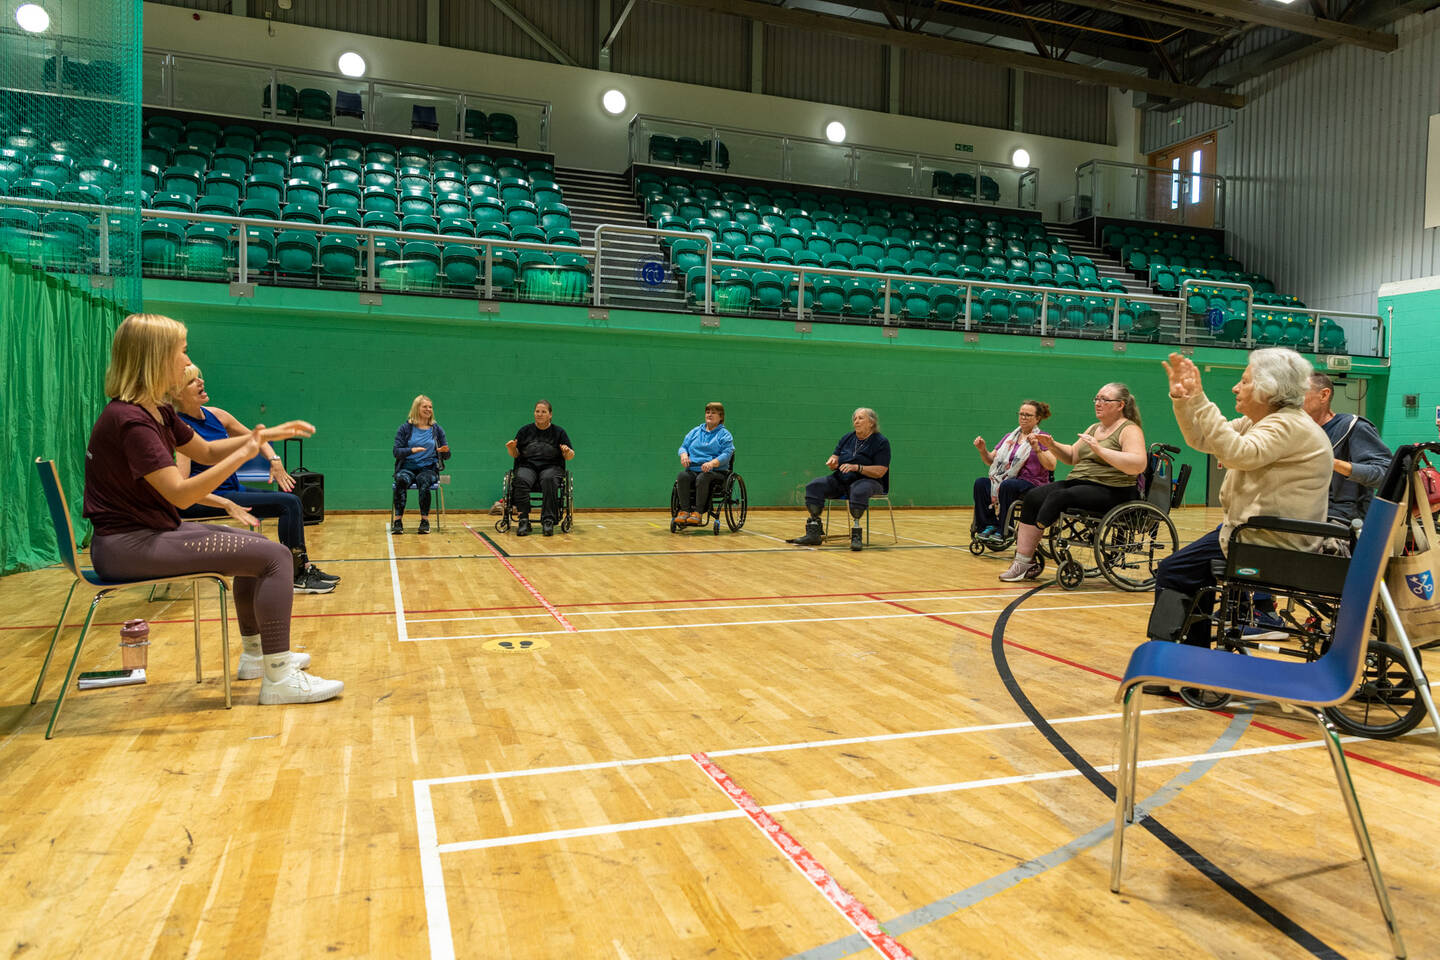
[[567, 502], [1307, 587], [1006, 539], [1129, 540], [727, 497]]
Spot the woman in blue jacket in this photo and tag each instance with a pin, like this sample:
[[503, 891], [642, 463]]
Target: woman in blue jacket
[[705, 455], [420, 455]]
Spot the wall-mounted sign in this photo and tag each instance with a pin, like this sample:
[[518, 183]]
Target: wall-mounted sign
[[964, 148]]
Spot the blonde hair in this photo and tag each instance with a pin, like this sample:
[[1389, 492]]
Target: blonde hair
[[141, 354], [414, 418], [190, 374]]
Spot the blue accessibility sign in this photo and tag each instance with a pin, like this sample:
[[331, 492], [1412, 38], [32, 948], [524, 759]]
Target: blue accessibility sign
[[651, 273]]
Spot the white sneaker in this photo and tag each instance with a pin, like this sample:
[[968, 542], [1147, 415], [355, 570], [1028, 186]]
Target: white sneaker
[[1021, 570], [252, 665], [297, 686]]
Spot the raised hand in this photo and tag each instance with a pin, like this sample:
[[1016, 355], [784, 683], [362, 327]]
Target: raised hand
[[290, 428], [979, 443], [1184, 376]]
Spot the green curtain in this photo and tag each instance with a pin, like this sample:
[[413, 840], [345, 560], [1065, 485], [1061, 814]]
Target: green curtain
[[57, 342]]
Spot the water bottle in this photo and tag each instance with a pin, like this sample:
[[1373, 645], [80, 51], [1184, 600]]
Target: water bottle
[[134, 639]]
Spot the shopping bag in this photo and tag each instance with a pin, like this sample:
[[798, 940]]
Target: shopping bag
[[1430, 478], [1411, 575]]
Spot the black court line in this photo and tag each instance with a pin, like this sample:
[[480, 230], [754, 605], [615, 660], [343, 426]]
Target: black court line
[[486, 537], [1180, 848]]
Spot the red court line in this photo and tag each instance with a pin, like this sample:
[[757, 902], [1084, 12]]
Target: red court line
[[843, 900], [559, 617], [1257, 724]]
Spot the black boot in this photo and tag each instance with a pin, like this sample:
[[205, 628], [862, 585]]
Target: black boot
[[814, 534], [857, 539]]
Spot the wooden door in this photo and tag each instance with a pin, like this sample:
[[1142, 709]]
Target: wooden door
[[1184, 197]]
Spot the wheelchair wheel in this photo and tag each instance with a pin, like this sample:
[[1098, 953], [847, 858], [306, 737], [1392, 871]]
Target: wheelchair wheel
[[1130, 542], [503, 524], [1070, 574], [977, 547], [568, 496], [737, 503], [674, 507], [1387, 702], [1069, 532], [1203, 699]]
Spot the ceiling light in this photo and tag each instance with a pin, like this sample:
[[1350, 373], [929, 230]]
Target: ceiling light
[[32, 18], [835, 131], [1020, 158], [352, 64], [613, 102]]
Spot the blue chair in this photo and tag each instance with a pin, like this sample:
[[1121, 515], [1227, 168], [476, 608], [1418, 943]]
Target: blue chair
[[1310, 686], [69, 556], [435, 488]]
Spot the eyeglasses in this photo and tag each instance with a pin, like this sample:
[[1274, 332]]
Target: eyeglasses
[[1107, 399], [1026, 416]]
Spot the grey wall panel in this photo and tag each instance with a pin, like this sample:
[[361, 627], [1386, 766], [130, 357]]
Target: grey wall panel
[[479, 25], [1161, 130], [205, 6], [1056, 107], [825, 68], [683, 44], [1326, 168], [393, 19], [953, 90]]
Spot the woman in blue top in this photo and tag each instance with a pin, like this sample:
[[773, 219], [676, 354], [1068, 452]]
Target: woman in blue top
[[705, 455], [420, 454]]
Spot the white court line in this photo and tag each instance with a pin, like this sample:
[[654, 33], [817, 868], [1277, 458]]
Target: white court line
[[490, 843], [432, 876], [628, 611], [773, 623], [400, 627]]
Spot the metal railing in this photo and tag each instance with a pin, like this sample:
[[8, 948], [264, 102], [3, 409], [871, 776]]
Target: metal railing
[[738, 151], [1130, 191], [226, 87], [1362, 330]]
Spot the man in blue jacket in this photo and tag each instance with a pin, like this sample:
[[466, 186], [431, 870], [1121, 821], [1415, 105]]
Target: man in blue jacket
[[1361, 457]]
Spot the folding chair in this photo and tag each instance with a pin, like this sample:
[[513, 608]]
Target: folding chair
[[438, 485], [70, 557], [846, 534], [1310, 686]]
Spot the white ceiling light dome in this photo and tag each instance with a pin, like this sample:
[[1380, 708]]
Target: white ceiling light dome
[[614, 102], [32, 18], [352, 64], [1020, 158], [835, 131]]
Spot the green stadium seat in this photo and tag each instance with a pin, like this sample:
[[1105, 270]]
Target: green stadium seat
[[662, 148], [239, 136], [301, 211], [768, 289], [259, 248], [218, 205], [452, 206], [455, 227], [295, 253], [689, 151], [733, 292], [479, 185], [916, 300], [381, 220], [162, 127], [414, 204], [348, 150], [474, 125], [502, 128], [160, 244], [342, 195], [79, 192], [181, 180], [945, 302], [260, 207], [178, 202], [342, 216], [34, 188], [315, 105], [304, 191], [555, 215], [521, 213], [380, 200], [563, 236], [191, 155], [275, 141], [380, 175], [514, 188], [419, 223], [339, 258], [206, 251], [460, 266], [421, 267], [379, 151], [100, 171], [487, 210], [344, 170], [286, 99], [264, 189]]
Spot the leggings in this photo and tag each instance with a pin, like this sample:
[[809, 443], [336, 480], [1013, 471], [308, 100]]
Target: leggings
[[265, 504], [264, 585], [1044, 504], [424, 478]]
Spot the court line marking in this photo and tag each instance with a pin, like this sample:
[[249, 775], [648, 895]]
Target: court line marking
[[856, 913], [559, 617], [737, 606], [761, 623], [400, 628], [1044, 776]]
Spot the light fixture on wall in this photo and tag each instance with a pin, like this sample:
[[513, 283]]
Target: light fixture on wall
[[32, 18], [835, 131], [1020, 158], [614, 102], [352, 64]]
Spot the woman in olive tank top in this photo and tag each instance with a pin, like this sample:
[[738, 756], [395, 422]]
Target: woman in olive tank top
[[1107, 457]]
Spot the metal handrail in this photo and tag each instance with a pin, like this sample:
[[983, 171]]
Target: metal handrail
[[608, 228], [1091, 169]]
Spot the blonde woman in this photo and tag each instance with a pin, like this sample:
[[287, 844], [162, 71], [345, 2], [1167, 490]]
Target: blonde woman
[[134, 492], [420, 455]]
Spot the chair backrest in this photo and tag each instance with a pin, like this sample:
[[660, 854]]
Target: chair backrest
[[254, 470], [59, 514]]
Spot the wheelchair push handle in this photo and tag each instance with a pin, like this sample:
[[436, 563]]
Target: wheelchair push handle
[[1309, 528], [1395, 487], [1164, 448]]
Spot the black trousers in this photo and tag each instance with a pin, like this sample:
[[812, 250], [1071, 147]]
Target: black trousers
[[1044, 504], [548, 479], [1188, 571], [695, 489]]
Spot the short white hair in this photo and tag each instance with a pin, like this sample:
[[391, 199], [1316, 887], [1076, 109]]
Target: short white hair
[[1281, 376], [869, 414]]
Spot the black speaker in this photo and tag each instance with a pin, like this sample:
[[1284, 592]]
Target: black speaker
[[310, 488]]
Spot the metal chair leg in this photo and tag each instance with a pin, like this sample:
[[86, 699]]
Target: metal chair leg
[[224, 642], [1125, 782], [74, 659], [45, 665], [195, 591], [1412, 660], [1362, 835]]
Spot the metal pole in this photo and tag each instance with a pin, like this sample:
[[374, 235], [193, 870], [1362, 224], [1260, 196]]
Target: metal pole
[[489, 270], [596, 298], [885, 310], [709, 274], [244, 246], [1115, 319], [1044, 311], [370, 261], [104, 224], [969, 292]]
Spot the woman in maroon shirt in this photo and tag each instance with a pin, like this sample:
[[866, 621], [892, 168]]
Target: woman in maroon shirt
[[134, 492]]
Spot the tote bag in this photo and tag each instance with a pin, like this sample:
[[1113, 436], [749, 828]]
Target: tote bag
[[1411, 577]]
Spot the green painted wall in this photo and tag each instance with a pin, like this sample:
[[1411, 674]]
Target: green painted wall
[[628, 388], [1416, 367]]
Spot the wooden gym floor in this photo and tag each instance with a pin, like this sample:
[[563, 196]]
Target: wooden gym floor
[[626, 743]]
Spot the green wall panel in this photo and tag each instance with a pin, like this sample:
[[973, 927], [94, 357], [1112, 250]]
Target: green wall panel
[[1415, 368], [628, 387]]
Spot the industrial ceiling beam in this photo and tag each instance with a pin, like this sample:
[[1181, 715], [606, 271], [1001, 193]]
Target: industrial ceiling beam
[[976, 52], [1157, 14], [534, 33], [1269, 15]]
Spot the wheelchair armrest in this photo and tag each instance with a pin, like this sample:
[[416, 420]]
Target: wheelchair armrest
[[1310, 528]]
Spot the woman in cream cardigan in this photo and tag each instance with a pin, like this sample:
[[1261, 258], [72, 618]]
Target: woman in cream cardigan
[[1278, 462]]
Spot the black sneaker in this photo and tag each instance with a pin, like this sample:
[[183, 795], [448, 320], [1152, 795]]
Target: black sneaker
[[313, 571], [857, 539], [306, 583], [522, 529], [424, 526], [547, 527], [395, 526]]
